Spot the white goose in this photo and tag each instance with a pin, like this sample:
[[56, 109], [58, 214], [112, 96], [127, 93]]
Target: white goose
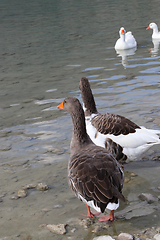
[[132, 138], [156, 34], [125, 41]]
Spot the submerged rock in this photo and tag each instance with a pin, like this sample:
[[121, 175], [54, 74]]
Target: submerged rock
[[22, 193], [14, 197], [59, 229], [97, 229], [29, 186], [42, 187], [125, 236], [86, 223], [148, 197], [105, 237]]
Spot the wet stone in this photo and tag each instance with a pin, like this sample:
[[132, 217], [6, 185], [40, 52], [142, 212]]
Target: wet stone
[[29, 186], [86, 223], [133, 174], [148, 197], [57, 151], [14, 197], [126, 180], [73, 230], [45, 210], [57, 206], [125, 236], [97, 229], [158, 230], [156, 237], [22, 193], [104, 237], [59, 229], [5, 147], [42, 187]]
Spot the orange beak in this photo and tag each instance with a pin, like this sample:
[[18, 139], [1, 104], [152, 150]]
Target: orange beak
[[60, 106], [122, 31], [148, 28]]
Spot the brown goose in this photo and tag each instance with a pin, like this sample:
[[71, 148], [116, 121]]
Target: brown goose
[[94, 174], [100, 126]]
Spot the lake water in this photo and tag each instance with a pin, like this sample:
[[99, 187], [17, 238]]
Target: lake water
[[46, 47]]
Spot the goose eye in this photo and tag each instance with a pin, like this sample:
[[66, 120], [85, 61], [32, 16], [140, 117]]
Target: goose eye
[[65, 101]]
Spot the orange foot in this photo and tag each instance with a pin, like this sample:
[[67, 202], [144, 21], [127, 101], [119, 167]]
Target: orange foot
[[107, 218], [90, 214]]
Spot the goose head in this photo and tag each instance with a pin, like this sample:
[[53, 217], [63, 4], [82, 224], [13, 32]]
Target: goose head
[[122, 31], [152, 26]]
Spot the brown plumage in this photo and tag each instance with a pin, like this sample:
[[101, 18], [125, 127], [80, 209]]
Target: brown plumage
[[108, 123], [94, 174]]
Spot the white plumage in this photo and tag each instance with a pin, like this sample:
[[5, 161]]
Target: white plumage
[[126, 40], [134, 144], [155, 34]]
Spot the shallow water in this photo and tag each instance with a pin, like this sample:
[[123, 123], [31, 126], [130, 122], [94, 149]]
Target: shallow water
[[46, 47]]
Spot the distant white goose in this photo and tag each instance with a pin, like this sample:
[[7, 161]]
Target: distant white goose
[[125, 41], [134, 139], [156, 34]]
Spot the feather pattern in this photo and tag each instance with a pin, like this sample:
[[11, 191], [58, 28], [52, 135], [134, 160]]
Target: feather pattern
[[94, 175], [133, 139]]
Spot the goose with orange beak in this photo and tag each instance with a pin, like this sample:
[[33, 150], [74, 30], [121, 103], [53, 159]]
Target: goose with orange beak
[[126, 40], [94, 174], [156, 33]]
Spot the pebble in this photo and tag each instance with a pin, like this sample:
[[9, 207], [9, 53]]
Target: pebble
[[97, 229], [148, 197], [42, 187], [5, 147], [45, 210], [156, 237], [59, 229], [86, 223], [126, 180], [133, 174], [125, 236], [14, 197], [57, 206], [104, 237], [158, 230], [73, 230], [57, 151], [22, 193], [29, 186]]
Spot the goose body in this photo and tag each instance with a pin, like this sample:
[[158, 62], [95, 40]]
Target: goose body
[[126, 40], [156, 33], [134, 139], [94, 175]]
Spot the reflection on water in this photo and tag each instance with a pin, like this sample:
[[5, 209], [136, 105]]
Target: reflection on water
[[46, 47], [155, 49], [125, 53]]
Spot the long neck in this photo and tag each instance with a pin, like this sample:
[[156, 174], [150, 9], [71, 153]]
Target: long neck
[[88, 102], [155, 29], [79, 135], [122, 37]]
